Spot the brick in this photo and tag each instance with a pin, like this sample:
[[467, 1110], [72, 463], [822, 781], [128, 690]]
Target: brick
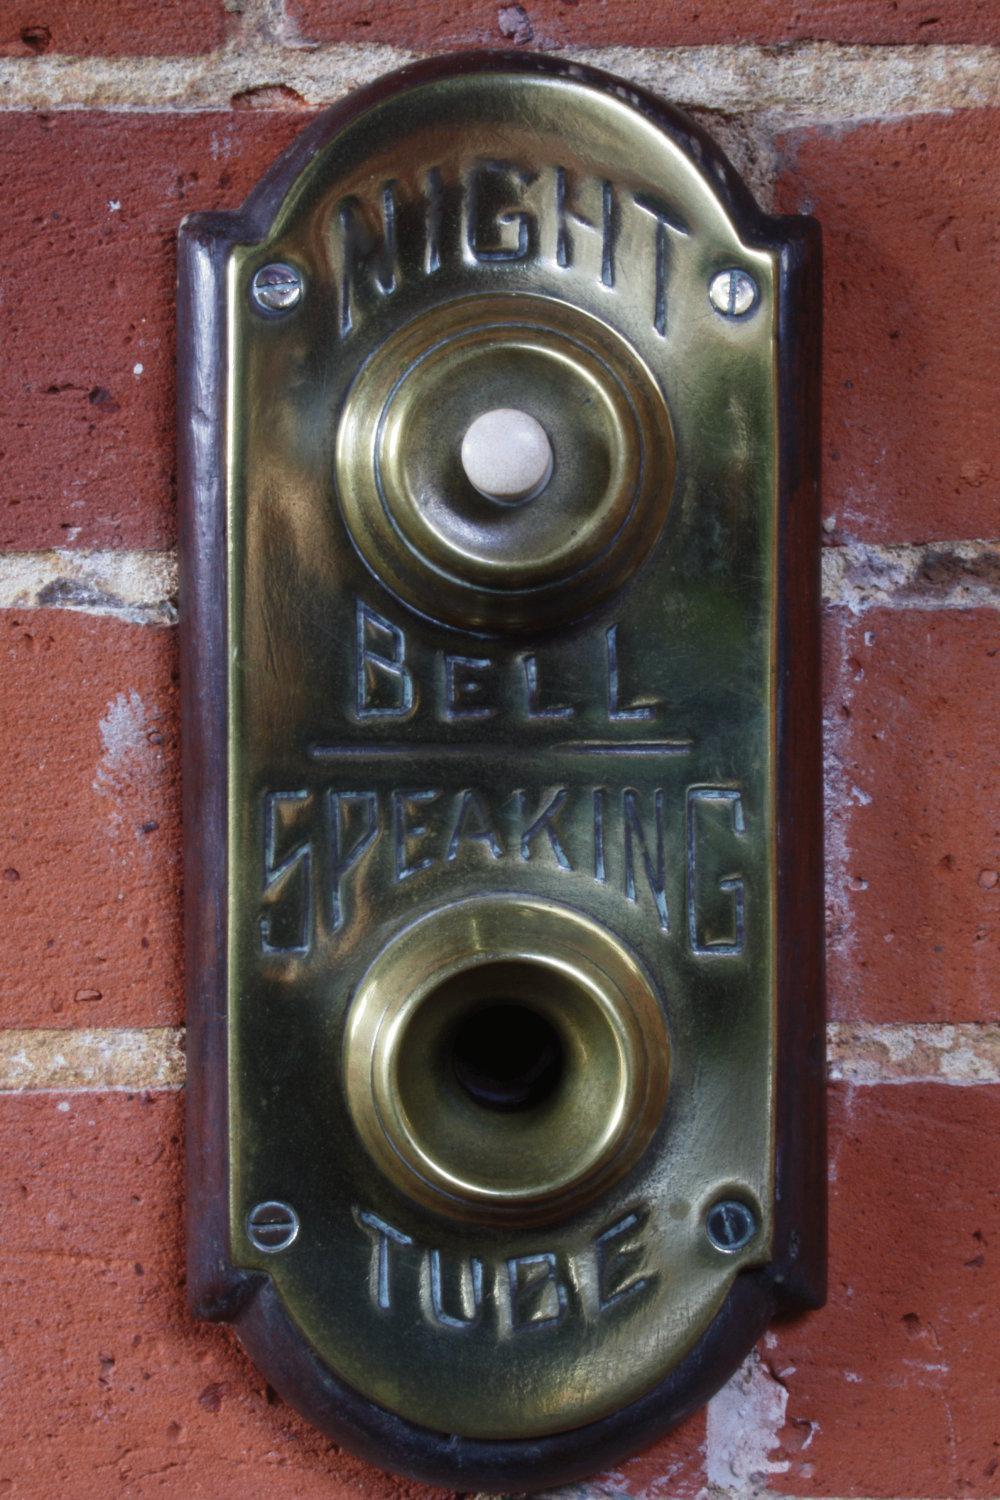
[[109, 1384], [673, 1467], [911, 229], [891, 1387], [111, 28], [912, 814], [427, 24], [91, 822], [88, 246]]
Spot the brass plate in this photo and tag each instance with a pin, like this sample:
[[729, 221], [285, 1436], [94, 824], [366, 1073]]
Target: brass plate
[[454, 734]]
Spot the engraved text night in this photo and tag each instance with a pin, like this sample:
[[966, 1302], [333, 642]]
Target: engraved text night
[[493, 213]]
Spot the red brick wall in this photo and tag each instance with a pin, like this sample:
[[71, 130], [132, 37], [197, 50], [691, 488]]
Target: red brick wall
[[882, 117]]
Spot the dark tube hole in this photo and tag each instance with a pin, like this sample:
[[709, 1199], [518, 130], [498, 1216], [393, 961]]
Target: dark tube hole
[[506, 1056]]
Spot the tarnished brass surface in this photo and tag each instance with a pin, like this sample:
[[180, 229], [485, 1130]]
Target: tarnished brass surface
[[568, 812]]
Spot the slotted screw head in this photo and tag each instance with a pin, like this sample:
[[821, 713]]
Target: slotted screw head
[[730, 1225], [272, 1226], [733, 293], [277, 287]]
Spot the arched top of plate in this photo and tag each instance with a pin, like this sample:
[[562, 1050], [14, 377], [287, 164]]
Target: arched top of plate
[[497, 98]]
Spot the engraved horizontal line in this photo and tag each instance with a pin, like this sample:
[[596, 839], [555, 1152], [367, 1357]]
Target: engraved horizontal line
[[467, 750], [790, 84], [633, 747], [111, 1060], [140, 585]]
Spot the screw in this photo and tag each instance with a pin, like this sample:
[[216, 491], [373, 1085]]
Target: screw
[[730, 1225], [277, 288], [272, 1226], [733, 293]]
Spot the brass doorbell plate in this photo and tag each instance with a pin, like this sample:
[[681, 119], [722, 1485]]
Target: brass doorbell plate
[[504, 842]]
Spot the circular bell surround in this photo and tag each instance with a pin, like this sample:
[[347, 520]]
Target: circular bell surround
[[550, 1154], [425, 530]]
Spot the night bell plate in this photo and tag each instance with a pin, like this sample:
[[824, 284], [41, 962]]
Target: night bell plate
[[504, 841]]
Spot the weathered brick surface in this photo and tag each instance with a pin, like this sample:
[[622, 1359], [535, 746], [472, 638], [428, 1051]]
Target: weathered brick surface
[[674, 1467], [109, 1385], [910, 219], [88, 241], [111, 28], [891, 1387], [911, 230], [91, 839], [913, 822], [556, 23]]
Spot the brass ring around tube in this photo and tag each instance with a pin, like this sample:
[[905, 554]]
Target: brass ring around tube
[[547, 976]]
